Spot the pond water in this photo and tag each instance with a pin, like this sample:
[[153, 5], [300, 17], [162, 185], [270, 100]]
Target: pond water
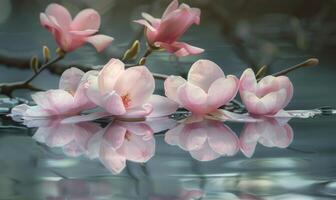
[[166, 159]]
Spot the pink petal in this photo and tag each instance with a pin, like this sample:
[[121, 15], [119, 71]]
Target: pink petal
[[59, 135], [100, 42], [193, 98], [222, 91], [109, 75], [111, 159], [162, 106], [86, 19], [114, 104], [137, 84], [85, 118], [138, 112], [70, 79], [61, 15], [248, 81], [170, 8], [58, 101], [92, 87], [155, 22], [171, 85], [83, 34], [146, 24], [203, 73], [180, 48], [284, 82], [192, 136], [172, 136], [115, 135]]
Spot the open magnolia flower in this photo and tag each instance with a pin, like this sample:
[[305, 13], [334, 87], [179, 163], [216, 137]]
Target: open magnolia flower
[[164, 32], [270, 132], [127, 93], [268, 96], [70, 99], [72, 34], [205, 140], [206, 89]]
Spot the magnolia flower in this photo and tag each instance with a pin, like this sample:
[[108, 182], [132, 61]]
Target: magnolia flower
[[206, 89], [70, 99], [270, 132], [164, 32], [72, 34], [127, 93], [205, 140], [268, 96]]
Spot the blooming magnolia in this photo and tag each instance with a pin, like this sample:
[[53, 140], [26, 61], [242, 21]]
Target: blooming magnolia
[[205, 140], [268, 96], [70, 99], [127, 93], [270, 132], [164, 32], [72, 34], [206, 89]]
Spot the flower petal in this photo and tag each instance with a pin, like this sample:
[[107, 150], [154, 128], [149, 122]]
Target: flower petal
[[111, 159], [171, 85], [115, 135], [100, 42], [86, 19], [114, 104], [222, 91], [109, 75], [193, 98], [170, 8], [70, 79], [146, 24], [180, 48], [162, 106], [248, 81], [203, 73], [61, 15]]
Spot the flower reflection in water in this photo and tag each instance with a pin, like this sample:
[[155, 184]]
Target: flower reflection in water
[[113, 145], [209, 139], [271, 132], [205, 140]]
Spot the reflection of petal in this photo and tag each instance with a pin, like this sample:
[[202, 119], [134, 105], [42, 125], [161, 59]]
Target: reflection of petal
[[111, 159], [205, 153]]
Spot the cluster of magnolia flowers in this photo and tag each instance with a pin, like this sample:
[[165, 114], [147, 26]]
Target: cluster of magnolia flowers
[[129, 93]]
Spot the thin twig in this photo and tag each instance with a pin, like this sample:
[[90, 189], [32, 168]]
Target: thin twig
[[8, 88]]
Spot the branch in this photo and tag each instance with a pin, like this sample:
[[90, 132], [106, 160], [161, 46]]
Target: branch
[[8, 88]]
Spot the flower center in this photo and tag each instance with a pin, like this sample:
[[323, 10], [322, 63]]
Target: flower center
[[126, 100], [128, 136]]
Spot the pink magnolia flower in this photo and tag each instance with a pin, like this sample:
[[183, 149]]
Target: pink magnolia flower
[[268, 96], [72, 34], [271, 132], [164, 32], [205, 140], [70, 99], [127, 93], [206, 89]]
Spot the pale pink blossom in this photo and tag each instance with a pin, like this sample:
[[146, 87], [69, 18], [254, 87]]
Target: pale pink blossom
[[127, 93], [71, 34], [175, 21], [266, 97], [205, 140], [206, 89], [270, 132], [70, 99]]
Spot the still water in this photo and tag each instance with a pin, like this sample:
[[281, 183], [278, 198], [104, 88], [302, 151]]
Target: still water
[[164, 159]]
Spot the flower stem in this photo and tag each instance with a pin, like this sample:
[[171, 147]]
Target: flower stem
[[308, 63], [8, 88]]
